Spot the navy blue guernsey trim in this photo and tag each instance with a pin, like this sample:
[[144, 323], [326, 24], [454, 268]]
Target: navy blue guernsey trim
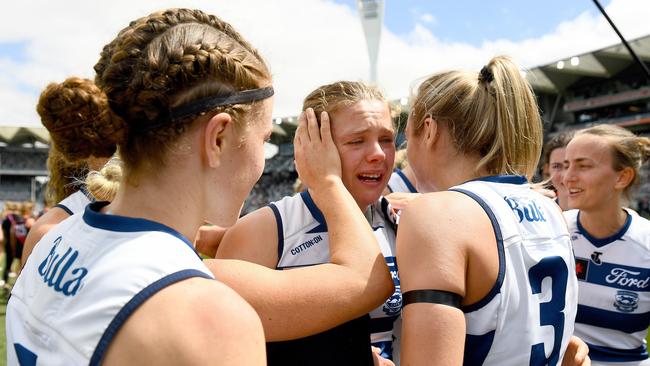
[[606, 354], [278, 221], [610, 239], [502, 257], [94, 218], [477, 348], [64, 208], [315, 212], [508, 179], [622, 322], [133, 304], [408, 183]]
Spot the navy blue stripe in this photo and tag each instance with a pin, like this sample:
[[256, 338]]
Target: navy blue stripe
[[133, 304], [616, 276], [509, 179], [502, 257], [278, 221], [94, 218], [606, 354], [25, 357], [315, 212], [378, 325], [64, 208], [610, 239], [624, 322], [408, 183], [477, 348]]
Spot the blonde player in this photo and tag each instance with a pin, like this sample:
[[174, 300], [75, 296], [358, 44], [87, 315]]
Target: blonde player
[[485, 263], [611, 243]]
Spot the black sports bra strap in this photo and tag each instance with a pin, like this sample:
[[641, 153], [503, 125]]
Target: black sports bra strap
[[432, 297]]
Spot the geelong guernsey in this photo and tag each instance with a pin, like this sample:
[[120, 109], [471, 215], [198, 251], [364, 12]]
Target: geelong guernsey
[[398, 182], [84, 280], [76, 202], [303, 241], [614, 278], [528, 316]]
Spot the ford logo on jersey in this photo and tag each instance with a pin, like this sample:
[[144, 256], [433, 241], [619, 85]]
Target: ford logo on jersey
[[528, 211], [58, 270], [626, 301], [623, 277]]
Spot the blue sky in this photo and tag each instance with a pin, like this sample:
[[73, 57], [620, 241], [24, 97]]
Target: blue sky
[[474, 22]]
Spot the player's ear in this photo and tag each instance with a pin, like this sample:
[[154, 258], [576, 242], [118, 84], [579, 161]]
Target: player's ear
[[216, 132]]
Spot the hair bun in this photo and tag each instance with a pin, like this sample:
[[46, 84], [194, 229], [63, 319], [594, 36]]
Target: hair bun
[[80, 122]]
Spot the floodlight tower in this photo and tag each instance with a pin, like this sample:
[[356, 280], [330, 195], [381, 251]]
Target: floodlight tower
[[372, 18]]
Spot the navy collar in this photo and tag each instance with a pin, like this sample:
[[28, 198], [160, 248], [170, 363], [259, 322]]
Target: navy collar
[[600, 242], [96, 219]]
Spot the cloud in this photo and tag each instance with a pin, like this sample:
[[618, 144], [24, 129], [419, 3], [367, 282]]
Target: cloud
[[428, 18], [306, 42]]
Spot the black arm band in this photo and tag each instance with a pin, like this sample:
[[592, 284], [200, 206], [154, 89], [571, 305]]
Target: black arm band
[[432, 297]]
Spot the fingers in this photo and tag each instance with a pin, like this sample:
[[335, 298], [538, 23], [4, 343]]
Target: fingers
[[312, 125], [298, 136], [325, 130]]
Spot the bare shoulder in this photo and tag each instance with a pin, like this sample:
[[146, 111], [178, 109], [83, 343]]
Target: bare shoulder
[[195, 321], [440, 212], [437, 234], [253, 238]]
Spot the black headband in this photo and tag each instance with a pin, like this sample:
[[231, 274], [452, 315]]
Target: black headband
[[208, 103], [213, 101]]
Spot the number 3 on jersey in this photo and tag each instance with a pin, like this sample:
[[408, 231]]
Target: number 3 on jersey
[[551, 312]]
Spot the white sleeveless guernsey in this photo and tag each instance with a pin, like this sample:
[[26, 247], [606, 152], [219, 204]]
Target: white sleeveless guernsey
[[303, 240], [528, 316], [399, 182], [76, 202], [614, 302], [83, 281]]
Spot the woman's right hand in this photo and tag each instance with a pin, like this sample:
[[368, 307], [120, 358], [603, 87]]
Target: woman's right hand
[[317, 159]]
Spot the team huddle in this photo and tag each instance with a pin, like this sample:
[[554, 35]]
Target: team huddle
[[454, 258]]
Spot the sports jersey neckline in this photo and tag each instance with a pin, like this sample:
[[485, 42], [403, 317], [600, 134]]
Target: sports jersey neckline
[[610, 239], [509, 179], [96, 219], [408, 183]]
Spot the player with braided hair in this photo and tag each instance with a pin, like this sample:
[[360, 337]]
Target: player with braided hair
[[189, 108], [77, 101]]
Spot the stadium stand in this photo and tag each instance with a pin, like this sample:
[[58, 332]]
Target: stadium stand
[[602, 86]]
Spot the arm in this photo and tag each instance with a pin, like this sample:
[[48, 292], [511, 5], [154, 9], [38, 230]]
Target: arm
[[308, 300], [208, 239], [254, 238], [53, 216], [193, 322], [431, 256]]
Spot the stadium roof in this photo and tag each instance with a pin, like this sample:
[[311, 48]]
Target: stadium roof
[[14, 135], [604, 63]]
